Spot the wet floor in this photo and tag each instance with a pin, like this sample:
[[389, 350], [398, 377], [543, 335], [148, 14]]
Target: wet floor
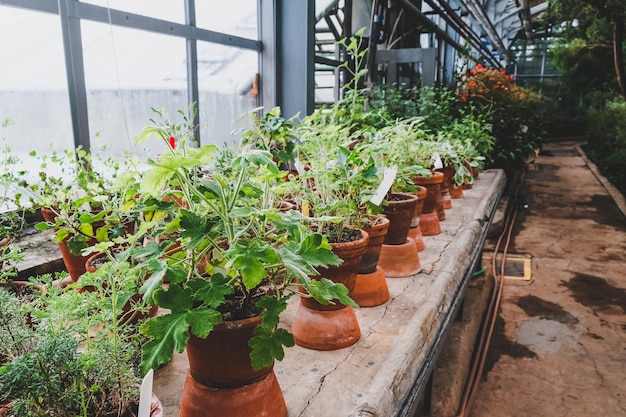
[[559, 344]]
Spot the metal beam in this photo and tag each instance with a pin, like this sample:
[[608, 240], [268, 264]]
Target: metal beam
[[268, 58], [193, 94], [432, 27], [479, 14], [75, 69], [296, 56]]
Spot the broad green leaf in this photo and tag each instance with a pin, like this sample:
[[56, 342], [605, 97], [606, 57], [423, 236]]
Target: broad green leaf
[[267, 345], [326, 292], [155, 179], [272, 307], [170, 333], [212, 292], [87, 217], [313, 252], [153, 283], [247, 261], [202, 320], [102, 234], [195, 228], [176, 274], [43, 226], [174, 298], [148, 133], [76, 244]]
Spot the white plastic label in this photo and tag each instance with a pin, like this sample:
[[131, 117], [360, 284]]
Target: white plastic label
[[389, 176], [437, 164]]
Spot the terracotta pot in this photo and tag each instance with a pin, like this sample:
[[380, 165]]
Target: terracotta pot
[[456, 191], [221, 381], [400, 261], [415, 233], [429, 219], [333, 326], [377, 235], [75, 264], [432, 184], [371, 289], [400, 211], [262, 398], [222, 359], [421, 198], [351, 253], [448, 177]]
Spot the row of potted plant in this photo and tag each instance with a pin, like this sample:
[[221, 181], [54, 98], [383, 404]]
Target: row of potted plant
[[221, 239], [210, 222]]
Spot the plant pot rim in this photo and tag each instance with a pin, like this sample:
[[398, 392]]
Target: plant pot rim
[[406, 196], [435, 178]]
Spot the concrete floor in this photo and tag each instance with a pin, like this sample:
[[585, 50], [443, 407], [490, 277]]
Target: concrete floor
[[559, 345]]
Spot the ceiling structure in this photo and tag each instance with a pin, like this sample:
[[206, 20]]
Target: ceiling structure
[[460, 30]]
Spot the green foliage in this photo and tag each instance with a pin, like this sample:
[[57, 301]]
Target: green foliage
[[588, 32], [512, 111], [606, 133], [79, 355], [224, 245], [273, 133]]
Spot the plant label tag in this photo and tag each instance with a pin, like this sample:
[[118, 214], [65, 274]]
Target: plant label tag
[[389, 176], [437, 164], [306, 210], [145, 396], [299, 166]]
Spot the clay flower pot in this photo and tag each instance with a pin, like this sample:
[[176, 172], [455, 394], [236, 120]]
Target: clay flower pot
[[448, 176], [400, 210], [377, 233], [371, 289], [429, 220], [75, 264], [456, 191], [221, 380], [415, 232], [333, 326]]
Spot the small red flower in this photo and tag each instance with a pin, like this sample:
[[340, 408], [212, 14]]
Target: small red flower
[[172, 142]]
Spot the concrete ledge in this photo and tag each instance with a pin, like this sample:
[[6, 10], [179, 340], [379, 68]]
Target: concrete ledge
[[452, 369]]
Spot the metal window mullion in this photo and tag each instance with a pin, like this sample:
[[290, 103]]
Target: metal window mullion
[[193, 93], [73, 49], [268, 64]]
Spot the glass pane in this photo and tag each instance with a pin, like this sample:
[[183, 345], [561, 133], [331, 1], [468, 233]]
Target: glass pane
[[33, 84], [234, 17], [171, 10], [225, 77], [127, 72]]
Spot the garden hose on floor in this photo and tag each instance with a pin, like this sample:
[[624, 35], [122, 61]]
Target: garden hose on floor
[[491, 315]]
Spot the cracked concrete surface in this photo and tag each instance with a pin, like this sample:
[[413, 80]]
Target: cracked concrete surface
[[559, 348]]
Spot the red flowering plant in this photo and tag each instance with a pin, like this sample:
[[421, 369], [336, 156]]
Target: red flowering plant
[[513, 112]]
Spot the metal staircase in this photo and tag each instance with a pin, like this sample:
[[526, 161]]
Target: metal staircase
[[329, 29]]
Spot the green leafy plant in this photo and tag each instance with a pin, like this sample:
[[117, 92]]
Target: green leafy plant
[[342, 178], [77, 357], [273, 133], [227, 250], [512, 111], [94, 205]]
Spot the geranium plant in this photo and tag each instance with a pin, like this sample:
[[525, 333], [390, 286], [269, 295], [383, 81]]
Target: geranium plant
[[227, 251]]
